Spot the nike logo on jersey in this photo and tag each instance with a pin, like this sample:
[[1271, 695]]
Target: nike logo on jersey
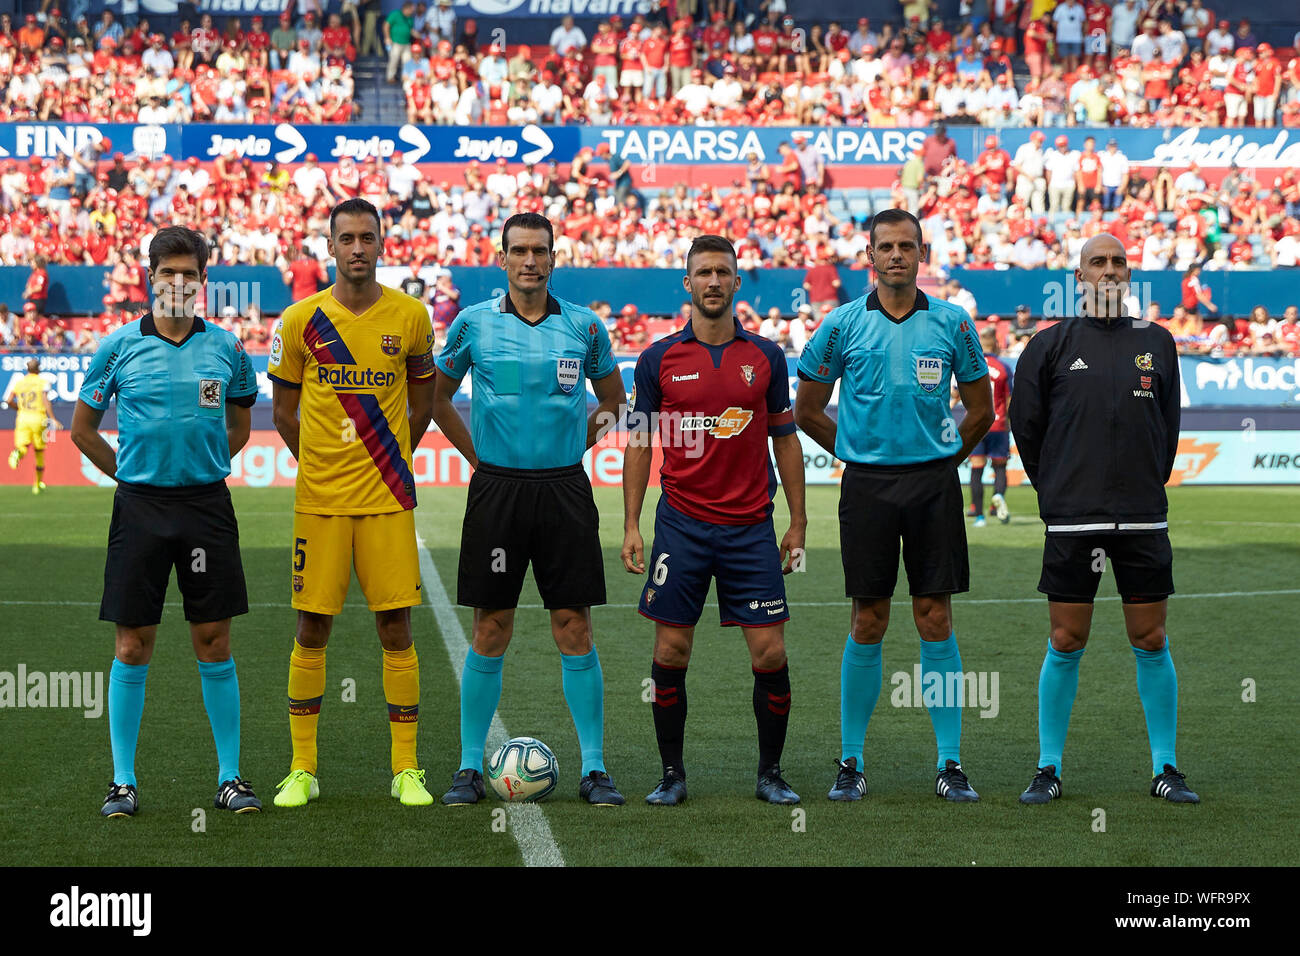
[[1079, 365]]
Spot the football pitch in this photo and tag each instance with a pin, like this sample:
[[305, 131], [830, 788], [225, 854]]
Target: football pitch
[[1236, 551]]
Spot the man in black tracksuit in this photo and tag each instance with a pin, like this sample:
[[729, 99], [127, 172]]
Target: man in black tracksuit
[[1095, 411]]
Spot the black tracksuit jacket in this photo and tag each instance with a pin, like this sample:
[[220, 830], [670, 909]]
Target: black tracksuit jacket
[[1095, 408]]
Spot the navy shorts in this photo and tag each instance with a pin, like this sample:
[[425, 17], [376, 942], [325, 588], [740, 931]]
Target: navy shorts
[[994, 445], [1073, 566], [688, 553], [153, 529]]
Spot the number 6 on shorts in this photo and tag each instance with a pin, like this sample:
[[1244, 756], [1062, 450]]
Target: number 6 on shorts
[[661, 570]]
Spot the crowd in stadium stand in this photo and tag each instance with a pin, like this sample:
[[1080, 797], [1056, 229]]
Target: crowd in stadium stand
[[108, 72], [1034, 209], [1126, 62]]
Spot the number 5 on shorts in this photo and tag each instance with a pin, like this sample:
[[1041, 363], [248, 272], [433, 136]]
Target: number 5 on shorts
[[299, 554], [661, 570]]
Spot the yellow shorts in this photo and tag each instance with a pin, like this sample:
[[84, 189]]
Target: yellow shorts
[[33, 435], [381, 547]]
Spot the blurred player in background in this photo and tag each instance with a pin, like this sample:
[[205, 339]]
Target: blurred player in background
[[996, 443], [184, 391], [345, 365], [896, 350], [715, 393], [529, 500], [1096, 414], [28, 396]]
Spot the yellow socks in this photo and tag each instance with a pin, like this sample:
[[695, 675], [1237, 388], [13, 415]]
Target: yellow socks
[[402, 691], [306, 688]]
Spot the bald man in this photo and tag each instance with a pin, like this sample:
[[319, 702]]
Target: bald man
[[1095, 412]]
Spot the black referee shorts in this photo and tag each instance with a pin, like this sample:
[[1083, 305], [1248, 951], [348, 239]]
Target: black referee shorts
[[1073, 566], [155, 529], [545, 516], [921, 505]]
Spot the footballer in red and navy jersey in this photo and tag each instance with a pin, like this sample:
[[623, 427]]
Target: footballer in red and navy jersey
[[715, 406], [996, 443], [714, 394]]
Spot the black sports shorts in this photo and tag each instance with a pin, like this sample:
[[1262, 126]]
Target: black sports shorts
[[154, 529], [922, 506], [1073, 565], [546, 517]]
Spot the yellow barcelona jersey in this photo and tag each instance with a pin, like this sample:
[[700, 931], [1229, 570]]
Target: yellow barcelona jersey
[[354, 443], [29, 398]]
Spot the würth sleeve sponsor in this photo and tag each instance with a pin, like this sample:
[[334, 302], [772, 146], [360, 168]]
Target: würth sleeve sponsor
[[600, 353], [101, 377], [968, 361], [457, 355], [823, 357], [241, 390]]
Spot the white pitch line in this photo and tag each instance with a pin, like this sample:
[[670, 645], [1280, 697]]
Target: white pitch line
[[459, 662], [527, 821]]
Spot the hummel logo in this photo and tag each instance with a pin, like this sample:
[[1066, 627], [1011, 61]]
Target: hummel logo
[[1079, 365]]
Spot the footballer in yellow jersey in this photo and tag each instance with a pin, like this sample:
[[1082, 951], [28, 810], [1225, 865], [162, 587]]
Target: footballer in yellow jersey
[[352, 372], [354, 439], [28, 396]]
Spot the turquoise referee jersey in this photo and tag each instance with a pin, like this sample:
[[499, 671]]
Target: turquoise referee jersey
[[529, 396], [171, 400], [895, 374]]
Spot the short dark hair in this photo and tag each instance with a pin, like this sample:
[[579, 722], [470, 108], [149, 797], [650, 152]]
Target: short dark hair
[[710, 244], [527, 220], [177, 241], [355, 207], [887, 216]]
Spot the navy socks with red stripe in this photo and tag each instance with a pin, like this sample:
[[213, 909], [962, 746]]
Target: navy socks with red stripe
[[669, 708], [772, 711]]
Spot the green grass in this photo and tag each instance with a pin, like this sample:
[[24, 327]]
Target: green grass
[[57, 763]]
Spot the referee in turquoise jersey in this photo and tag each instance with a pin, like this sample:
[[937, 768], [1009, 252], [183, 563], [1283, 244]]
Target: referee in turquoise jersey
[[894, 351], [184, 389], [529, 499]]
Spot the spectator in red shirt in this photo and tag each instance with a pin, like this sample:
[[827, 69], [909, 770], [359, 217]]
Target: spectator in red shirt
[[788, 169], [304, 274], [717, 31], [137, 292], [654, 64], [936, 148], [822, 283], [1196, 296], [681, 55], [37, 288], [993, 164], [336, 39], [1037, 35]]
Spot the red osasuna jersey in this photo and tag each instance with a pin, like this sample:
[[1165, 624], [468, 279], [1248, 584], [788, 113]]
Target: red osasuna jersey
[[714, 407], [1000, 379]]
